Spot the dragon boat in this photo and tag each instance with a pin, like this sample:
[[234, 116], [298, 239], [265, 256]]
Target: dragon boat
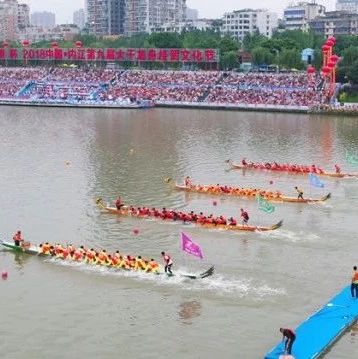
[[125, 211], [280, 168], [35, 250], [250, 193]]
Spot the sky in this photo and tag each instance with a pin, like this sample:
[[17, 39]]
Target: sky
[[207, 8]]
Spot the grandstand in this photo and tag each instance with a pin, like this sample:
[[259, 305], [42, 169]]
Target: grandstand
[[111, 87]]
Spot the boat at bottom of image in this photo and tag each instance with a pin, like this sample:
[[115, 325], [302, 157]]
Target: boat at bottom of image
[[173, 215], [101, 258]]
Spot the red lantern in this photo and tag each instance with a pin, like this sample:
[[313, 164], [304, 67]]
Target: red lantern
[[311, 70], [25, 43], [325, 48], [330, 43], [326, 70], [331, 65], [334, 58], [78, 44], [332, 39], [54, 44]]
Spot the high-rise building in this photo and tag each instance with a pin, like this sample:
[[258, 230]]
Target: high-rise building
[[8, 20], [79, 18], [192, 14], [347, 5], [116, 17], [143, 15], [238, 23], [98, 16], [335, 23], [105, 17], [44, 18], [23, 16], [297, 16]]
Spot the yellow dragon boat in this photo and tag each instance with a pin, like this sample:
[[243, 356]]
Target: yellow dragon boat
[[250, 193]]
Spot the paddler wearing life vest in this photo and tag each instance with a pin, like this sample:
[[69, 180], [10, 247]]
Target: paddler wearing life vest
[[18, 240], [168, 262], [300, 193], [289, 337], [354, 285], [245, 216]]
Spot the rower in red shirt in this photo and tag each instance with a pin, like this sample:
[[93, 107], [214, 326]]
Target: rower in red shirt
[[232, 221]]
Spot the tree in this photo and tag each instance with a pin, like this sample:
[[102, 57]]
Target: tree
[[350, 55], [352, 73], [291, 59], [252, 41], [229, 60], [261, 55], [228, 44], [165, 40]]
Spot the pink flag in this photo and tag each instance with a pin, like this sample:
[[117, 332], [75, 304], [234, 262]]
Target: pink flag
[[189, 246]]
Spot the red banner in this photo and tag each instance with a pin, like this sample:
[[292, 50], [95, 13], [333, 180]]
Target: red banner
[[109, 54]]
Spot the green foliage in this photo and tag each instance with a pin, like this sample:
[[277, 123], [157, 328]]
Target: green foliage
[[228, 44], [352, 73], [200, 39], [291, 59], [253, 41], [165, 40], [350, 55], [229, 60], [261, 55], [299, 39]]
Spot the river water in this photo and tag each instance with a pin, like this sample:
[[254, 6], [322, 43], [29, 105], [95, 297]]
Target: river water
[[55, 162]]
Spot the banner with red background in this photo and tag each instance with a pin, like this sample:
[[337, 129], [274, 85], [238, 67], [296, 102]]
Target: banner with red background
[[110, 54]]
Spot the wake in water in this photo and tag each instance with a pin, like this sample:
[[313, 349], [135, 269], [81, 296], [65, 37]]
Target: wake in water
[[290, 236], [217, 284]]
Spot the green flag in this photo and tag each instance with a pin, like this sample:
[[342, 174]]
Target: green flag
[[264, 205], [351, 158]]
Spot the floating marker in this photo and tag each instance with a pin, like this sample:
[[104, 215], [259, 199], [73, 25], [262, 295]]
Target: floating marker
[[215, 203], [135, 231], [4, 275], [271, 182]]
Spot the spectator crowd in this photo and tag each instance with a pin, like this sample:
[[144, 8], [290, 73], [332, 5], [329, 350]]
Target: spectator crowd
[[109, 86]]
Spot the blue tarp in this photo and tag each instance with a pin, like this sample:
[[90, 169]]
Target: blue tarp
[[318, 332]]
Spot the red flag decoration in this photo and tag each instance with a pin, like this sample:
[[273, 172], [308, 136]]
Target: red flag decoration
[[190, 247]]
